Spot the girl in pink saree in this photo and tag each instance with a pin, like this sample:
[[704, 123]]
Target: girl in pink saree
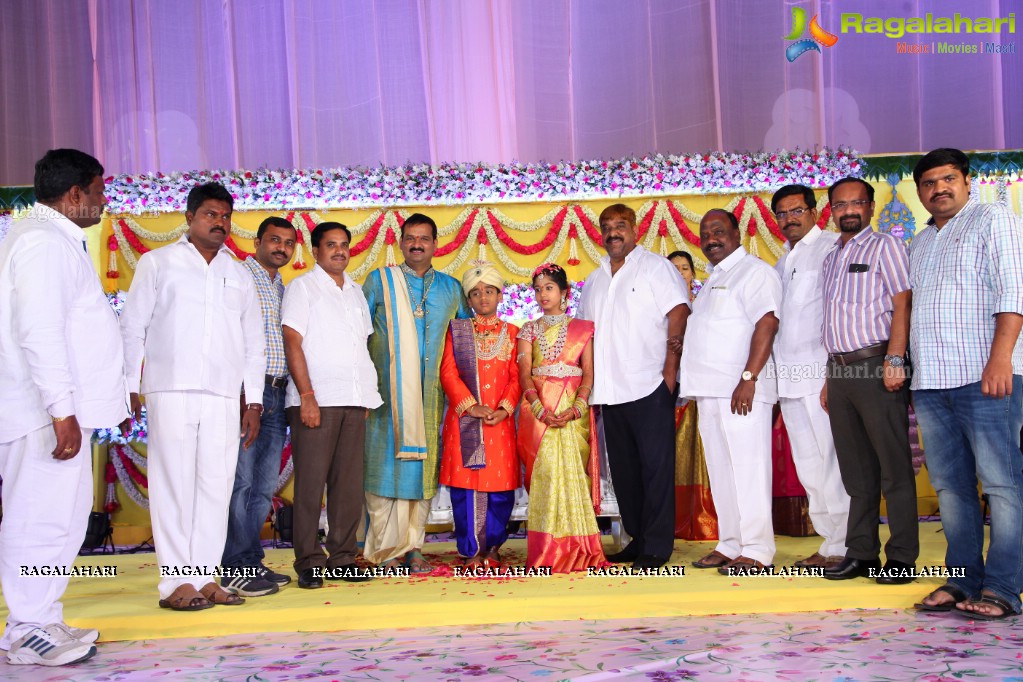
[[555, 437]]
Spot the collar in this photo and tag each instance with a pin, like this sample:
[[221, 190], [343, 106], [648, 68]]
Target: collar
[[410, 272], [860, 237], [488, 321], [63, 223], [183, 239], [809, 238], [968, 206], [730, 261], [606, 260], [326, 280], [259, 271]]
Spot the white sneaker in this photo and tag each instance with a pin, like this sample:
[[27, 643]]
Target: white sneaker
[[50, 645], [86, 635]]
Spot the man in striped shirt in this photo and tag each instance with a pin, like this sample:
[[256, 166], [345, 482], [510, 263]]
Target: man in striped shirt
[[967, 277], [866, 329]]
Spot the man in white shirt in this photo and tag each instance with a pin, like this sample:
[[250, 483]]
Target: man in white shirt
[[334, 385], [801, 364], [727, 368], [637, 301], [61, 376], [192, 314]]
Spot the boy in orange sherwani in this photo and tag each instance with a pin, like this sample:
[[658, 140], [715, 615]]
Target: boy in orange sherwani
[[479, 462]]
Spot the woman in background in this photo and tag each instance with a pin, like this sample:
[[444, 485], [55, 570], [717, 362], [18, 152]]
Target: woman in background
[[695, 517]]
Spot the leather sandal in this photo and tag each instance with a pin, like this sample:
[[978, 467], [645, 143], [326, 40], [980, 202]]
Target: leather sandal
[[713, 560], [417, 563], [958, 597], [215, 594], [815, 560], [744, 565], [186, 598], [492, 560], [987, 599]]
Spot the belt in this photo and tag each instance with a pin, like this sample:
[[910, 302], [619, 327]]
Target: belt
[[861, 354], [276, 382]]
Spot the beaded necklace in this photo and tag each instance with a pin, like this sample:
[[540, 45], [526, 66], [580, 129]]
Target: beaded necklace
[[420, 311], [489, 345], [551, 353]]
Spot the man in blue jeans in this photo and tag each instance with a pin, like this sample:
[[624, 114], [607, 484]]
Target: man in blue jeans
[[966, 269], [258, 465]]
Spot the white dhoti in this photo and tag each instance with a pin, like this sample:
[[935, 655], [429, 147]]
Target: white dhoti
[[193, 451], [738, 453], [46, 505], [813, 452], [395, 526]]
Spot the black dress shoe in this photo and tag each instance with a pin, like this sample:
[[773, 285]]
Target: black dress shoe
[[351, 573], [630, 553], [896, 573], [648, 561], [309, 579], [852, 568]]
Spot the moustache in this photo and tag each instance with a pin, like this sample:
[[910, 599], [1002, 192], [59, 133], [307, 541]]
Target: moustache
[[218, 229]]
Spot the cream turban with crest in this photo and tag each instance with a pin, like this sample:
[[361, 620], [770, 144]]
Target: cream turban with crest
[[482, 271]]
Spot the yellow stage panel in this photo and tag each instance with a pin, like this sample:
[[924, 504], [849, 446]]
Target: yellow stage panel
[[125, 607]]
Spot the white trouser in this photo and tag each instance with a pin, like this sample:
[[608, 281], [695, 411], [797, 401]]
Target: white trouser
[[396, 527], [46, 511], [193, 451], [738, 452], [813, 451]]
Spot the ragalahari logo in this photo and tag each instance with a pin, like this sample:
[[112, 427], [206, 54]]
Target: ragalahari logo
[[818, 35]]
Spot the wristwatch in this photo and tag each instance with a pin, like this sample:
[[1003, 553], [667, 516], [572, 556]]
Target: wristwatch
[[748, 376], [895, 360]]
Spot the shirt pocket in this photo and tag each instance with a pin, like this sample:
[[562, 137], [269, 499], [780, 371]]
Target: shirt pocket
[[805, 286], [857, 287], [233, 294]]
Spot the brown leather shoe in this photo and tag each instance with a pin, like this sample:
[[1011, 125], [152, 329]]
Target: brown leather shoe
[[833, 561], [713, 560], [815, 560], [742, 565]]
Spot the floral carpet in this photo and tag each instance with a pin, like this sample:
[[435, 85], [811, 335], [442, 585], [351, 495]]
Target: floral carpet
[[834, 646]]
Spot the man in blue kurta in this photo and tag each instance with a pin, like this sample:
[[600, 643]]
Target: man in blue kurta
[[411, 305]]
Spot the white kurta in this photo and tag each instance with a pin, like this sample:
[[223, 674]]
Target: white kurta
[[741, 289], [801, 363], [200, 329], [59, 355]]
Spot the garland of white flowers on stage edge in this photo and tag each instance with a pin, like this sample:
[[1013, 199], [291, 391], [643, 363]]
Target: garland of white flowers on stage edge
[[475, 183], [664, 225]]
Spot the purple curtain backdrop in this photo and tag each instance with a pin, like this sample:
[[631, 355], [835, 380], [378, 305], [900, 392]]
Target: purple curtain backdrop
[[148, 85]]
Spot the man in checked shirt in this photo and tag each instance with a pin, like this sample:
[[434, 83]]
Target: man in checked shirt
[[255, 477], [967, 274]]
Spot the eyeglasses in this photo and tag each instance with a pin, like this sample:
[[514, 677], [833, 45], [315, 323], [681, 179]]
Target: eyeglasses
[[855, 203], [795, 213]]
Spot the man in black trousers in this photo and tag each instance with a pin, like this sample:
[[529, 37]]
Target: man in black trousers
[[866, 331], [638, 302]]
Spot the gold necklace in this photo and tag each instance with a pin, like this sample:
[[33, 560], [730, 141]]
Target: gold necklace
[[420, 311]]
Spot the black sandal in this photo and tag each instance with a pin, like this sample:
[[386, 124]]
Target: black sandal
[[957, 595], [991, 600]]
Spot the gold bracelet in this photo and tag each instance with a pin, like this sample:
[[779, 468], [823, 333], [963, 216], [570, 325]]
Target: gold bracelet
[[60, 419]]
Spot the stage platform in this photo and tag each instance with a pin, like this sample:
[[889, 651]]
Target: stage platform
[[125, 607]]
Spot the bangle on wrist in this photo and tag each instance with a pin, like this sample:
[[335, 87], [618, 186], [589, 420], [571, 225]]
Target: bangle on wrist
[[255, 406], [304, 395], [60, 419]]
